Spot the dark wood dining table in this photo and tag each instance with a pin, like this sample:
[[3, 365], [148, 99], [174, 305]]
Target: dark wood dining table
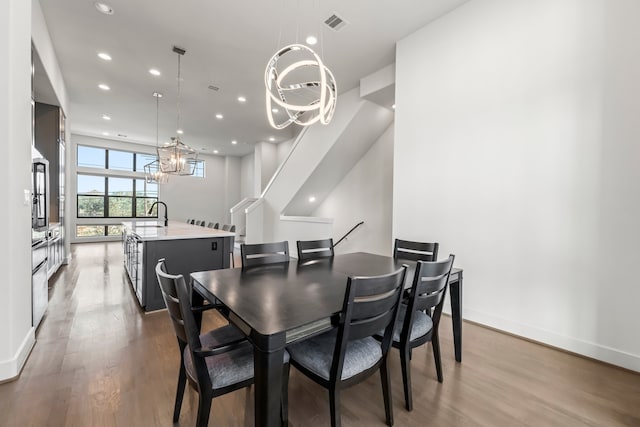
[[278, 304]]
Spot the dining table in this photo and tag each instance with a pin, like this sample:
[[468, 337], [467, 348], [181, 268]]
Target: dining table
[[275, 305]]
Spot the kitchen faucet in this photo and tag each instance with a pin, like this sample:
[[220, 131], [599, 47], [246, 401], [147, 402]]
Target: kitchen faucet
[[166, 211]]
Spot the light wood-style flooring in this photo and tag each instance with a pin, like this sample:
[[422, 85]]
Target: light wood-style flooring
[[99, 361]]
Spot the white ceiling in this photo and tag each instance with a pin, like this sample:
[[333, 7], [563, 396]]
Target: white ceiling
[[228, 44]]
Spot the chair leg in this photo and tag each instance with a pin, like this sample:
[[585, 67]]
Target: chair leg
[[334, 405], [406, 377], [182, 382], [285, 395], [386, 391], [435, 343], [204, 408]]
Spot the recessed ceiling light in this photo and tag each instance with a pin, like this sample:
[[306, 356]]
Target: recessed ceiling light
[[104, 86], [104, 8], [157, 94], [219, 116], [393, 106], [154, 72], [272, 139], [234, 142], [105, 133], [312, 199], [311, 40], [215, 151], [104, 116], [104, 56], [180, 131], [275, 110], [242, 99]]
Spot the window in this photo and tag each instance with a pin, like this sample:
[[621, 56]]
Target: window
[[199, 169], [144, 159], [102, 158], [92, 157], [98, 230], [118, 201], [121, 160], [112, 189], [91, 196]]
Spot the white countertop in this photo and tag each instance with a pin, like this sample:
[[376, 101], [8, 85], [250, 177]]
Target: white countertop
[[155, 230]]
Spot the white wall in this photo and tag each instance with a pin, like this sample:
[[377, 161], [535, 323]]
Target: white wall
[[232, 185], [516, 147], [208, 198], [265, 164], [365, 194], [282, 150], [247, 172], [16, 334]]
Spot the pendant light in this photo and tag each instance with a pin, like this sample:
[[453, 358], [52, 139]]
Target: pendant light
[[175, 157], [152, 172], [297, 80]]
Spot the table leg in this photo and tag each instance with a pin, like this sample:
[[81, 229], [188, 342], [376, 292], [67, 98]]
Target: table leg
[[456, 315], [196, 301], [268, 386]]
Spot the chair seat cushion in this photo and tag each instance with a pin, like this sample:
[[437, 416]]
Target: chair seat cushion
[[316, 355], [227, 368], [422, 324]]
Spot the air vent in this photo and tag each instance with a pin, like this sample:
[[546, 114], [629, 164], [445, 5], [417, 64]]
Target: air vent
[[121, 135], [335, 22], [214, 88]]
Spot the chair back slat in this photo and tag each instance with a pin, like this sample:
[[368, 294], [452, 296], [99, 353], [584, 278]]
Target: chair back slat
[[264, 253], [415, 251], [430, 291], [370, 304], [314, 249], [170, 297], [371, 325]]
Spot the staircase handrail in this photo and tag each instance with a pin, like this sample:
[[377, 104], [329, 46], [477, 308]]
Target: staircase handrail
[[277, 172], [348, 232]]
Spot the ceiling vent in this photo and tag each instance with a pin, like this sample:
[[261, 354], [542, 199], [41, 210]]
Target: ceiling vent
[[214, 88], [335, 22]]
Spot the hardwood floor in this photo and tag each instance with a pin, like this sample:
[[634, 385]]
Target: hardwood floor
[[99, 361]]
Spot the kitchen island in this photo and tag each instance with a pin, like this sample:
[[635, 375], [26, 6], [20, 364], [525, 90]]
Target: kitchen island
[[185, 247]]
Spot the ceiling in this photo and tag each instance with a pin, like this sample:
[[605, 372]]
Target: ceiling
[[228, 44]]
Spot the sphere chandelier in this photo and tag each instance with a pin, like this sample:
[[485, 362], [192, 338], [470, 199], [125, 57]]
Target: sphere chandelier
[[297, 80]]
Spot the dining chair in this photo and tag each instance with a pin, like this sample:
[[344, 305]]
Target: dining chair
[[415, 251], [215, 363], [189, 221], [415, 324], [229, 227], [264, 253], [349, 354], [192, 221], [314, 249], [212, 225]]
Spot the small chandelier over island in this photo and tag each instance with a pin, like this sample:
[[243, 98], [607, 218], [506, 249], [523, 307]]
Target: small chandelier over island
[[175, 157]]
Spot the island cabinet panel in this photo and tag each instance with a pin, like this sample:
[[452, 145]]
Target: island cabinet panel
[[181, 257], [186, 248]]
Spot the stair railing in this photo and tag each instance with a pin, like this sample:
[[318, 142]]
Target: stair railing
[[348, 232]]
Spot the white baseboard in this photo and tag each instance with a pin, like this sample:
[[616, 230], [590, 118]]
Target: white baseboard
[[10, 368], [574, 345]]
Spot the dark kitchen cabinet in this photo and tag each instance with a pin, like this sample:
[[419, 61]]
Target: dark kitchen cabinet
[[49, 140]]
